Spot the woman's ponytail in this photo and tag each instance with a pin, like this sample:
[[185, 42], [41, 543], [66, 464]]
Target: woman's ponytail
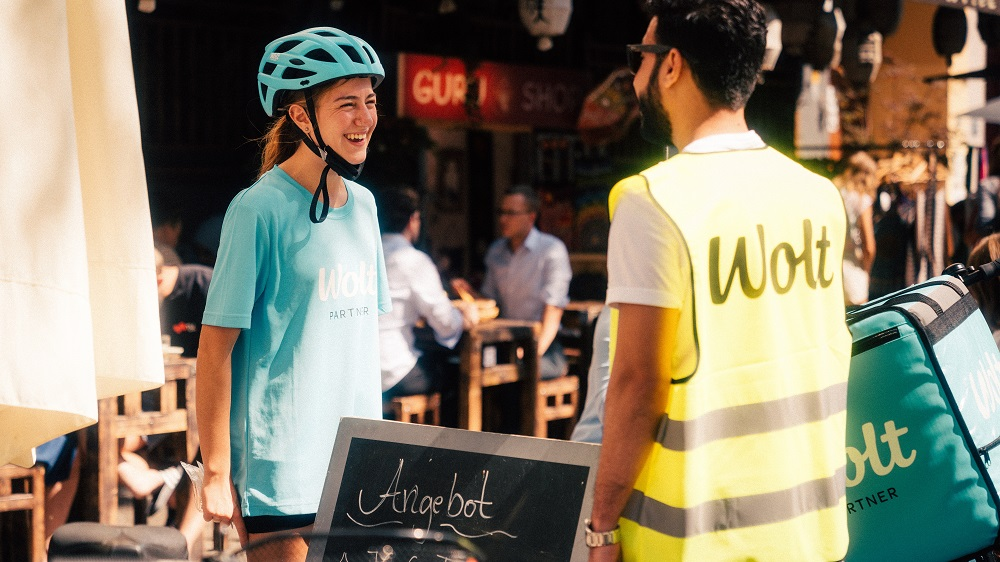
[[279, 143]]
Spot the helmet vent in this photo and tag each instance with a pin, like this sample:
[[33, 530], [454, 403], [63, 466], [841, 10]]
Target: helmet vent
[[293, 73], [351, 52], [297, 62], [371, 55], [320, 55], [303, 83], [269, 68], [286, 46], [324, 33]]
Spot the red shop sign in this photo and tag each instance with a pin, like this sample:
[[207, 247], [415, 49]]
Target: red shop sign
[[433, 87]]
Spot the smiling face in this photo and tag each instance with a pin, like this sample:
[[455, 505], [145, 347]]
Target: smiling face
[[347, 116]]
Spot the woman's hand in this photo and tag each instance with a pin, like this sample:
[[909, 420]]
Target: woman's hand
[[219, 506], [217, 503]]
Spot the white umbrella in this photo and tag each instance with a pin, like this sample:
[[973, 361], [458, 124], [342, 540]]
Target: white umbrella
[[989, 112], [79, 314]]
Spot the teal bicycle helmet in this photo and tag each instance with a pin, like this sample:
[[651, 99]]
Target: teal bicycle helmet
[[307, 59], [311, 57]]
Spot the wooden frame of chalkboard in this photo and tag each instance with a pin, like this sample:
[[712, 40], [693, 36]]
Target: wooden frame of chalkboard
[[513, 497]]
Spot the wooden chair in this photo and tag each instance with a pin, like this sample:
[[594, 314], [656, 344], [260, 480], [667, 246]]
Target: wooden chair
[[558, 399], [493, 353], [23, 489], [419, 408], [123, 416]]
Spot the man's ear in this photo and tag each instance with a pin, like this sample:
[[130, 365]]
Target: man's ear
[[671, 68]]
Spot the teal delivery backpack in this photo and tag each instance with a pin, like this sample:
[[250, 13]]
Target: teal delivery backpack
[[923, 424]]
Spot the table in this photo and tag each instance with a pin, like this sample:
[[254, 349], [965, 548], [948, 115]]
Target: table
[[497, 352]]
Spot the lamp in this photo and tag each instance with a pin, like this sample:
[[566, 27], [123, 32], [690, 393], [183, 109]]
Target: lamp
[[862, 53], [545, 19], [949, 30]]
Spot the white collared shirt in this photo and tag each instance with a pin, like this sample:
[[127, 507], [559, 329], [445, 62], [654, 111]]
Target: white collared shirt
[[416, 291], [523, 282]]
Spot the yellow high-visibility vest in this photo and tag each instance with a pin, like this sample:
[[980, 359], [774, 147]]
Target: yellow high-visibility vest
[[749, 461]]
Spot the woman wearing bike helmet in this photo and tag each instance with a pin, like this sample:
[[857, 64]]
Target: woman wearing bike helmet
[[290, 333]]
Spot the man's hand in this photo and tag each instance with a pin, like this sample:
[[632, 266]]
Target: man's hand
[[610, 553], [470, 314], [463, 288]]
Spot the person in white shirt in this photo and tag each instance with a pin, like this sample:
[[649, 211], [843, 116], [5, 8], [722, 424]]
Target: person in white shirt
[[416, 292]]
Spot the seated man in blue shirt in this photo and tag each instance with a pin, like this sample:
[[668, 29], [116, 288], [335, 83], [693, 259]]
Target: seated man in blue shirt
[[528, 274], [416, 292]]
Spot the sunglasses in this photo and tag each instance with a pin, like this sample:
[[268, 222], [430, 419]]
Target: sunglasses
[[633, 53]]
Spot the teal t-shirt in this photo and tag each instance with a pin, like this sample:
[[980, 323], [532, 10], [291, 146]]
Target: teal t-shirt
[[307, 297]]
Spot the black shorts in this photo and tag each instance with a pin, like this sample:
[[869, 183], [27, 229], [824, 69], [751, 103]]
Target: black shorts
[[275, 523]]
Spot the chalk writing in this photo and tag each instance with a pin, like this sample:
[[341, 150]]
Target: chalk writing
[[409, 500]]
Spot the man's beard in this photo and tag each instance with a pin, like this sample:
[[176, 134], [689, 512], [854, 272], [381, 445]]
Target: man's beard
[[654, 122]]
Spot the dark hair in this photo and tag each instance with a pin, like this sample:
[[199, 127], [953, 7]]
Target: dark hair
[[395, 207], [531, 198], [987, 292], [722, 40]]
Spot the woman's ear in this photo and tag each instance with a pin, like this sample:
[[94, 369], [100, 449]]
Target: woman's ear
[[300, 117]]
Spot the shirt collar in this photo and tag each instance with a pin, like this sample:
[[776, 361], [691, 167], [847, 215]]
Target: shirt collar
[[394, 240], [725, 142], [531, 241]]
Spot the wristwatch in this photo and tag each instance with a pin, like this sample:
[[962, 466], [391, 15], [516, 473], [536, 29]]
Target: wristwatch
[[595, 539]]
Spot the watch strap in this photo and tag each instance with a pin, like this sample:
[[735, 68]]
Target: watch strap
[[604, 538]]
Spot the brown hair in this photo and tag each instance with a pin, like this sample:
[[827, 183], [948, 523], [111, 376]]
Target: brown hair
[[987, 292], [279, 143], [283, 136]]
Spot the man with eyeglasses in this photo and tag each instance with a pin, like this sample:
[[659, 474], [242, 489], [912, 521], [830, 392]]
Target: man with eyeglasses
[[528, 274], [725, 415]]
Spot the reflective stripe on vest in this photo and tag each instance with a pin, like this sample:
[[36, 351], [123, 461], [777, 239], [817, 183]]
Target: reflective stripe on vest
[[734, 513], [678, 435], [749, 462]]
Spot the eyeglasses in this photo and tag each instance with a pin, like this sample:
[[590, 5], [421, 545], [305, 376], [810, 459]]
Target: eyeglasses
[[633, 54], [511, 212]]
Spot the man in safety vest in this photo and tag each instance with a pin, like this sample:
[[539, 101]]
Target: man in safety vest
[[725, 422]]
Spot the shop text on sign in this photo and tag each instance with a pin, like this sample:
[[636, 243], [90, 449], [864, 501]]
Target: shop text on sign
[[439, 88], [990, 6]]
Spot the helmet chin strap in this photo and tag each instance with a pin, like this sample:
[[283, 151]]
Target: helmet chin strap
[[333, 162]]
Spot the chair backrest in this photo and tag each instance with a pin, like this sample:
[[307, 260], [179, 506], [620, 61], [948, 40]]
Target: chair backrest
[[502, 351]]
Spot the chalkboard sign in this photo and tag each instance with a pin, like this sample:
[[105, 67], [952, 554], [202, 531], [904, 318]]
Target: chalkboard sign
[[513, 497]]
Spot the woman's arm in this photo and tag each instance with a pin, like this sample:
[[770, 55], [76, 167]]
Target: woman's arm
[[214, 379]]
